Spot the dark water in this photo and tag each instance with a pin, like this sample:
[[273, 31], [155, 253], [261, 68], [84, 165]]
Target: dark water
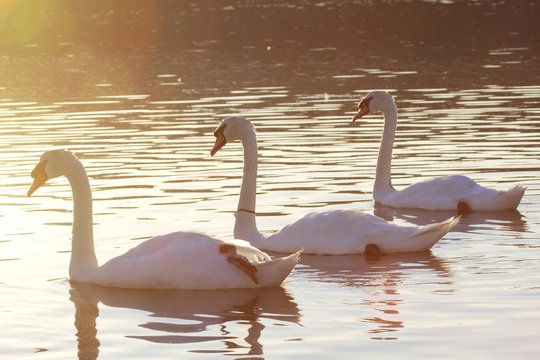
[[136, 89]]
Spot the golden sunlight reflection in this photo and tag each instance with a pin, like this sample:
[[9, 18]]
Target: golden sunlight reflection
[[136, 88]]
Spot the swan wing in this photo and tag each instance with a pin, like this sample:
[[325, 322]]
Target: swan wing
[[444, 193], [441, 193], [345, 232], [254, 255], [185, 260]]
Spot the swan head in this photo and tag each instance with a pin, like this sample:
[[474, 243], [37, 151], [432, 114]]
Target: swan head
[[51, 164], [231, 128], [374, 101]]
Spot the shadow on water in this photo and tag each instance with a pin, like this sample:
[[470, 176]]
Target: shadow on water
[[200, 310], [381, 281], [504, 220]]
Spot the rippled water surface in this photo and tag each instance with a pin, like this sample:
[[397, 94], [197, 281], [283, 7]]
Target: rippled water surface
[[136, 92]]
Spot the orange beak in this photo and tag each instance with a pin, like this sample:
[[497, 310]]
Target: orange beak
[[39, 176], [361, 112], [220, 142], [38, 181]]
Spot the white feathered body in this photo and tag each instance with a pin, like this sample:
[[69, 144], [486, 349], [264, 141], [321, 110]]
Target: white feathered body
[[341, 232], [444, 193], [186, 260]]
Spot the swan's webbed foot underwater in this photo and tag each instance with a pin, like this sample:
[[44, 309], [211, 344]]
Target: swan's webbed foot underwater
[[239, 261], [463, 208], [372, 252]]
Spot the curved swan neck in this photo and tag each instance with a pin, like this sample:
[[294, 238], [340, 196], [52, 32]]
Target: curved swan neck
[[83, 258], [383, 176], [245, 226], [248, 191]]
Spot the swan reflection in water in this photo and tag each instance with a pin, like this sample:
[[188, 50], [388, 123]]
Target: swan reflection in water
[[380, 280], [200, 309], [482, 220]]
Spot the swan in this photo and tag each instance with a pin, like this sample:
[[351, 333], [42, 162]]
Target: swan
[[454, 192], [179, 260], [335, 232]]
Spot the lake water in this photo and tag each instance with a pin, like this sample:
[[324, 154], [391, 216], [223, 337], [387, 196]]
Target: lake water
[[136, 91]]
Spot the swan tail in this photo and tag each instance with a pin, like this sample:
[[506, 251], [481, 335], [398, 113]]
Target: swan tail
[[514, 196], [430, 234], [274, 272]]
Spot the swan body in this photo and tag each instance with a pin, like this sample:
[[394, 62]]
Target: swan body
[[336, 232], [455, 192], [179, 260], [340, 232], [447, 192]]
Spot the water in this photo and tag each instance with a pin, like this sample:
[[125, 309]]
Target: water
[[136, 91]]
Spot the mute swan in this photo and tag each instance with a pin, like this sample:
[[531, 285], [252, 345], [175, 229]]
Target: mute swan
[[179, 260], [330, 232], [455, 192]]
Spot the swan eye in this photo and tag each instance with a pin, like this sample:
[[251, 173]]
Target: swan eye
[[220, 131], [364, 103]]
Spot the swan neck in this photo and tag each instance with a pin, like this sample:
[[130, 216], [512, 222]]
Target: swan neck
[[246, 225], [383, 175], [248, 191], [83, 258]]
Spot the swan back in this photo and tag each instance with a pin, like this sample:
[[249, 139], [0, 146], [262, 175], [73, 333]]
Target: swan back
[[446, 192], [341, 232], [175, 260], [188, 260]]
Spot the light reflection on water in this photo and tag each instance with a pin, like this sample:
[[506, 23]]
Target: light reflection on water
[[188, 317], [151, 173], [145, 136]]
